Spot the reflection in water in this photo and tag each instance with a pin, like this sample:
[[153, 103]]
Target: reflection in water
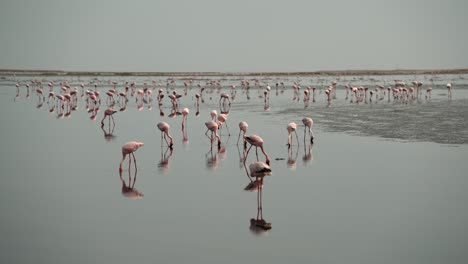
[[308, 155], [211, 159], [166, 154], [292, 157], [108, 131], [128, 190]]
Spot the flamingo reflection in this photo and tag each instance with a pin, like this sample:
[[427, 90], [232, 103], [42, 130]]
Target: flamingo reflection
[[292, 157], [108, 131], [308, 156], [164, 164], [128, 190], [212, 159]]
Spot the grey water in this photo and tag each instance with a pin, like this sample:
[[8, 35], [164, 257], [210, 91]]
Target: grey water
[[384, 181]]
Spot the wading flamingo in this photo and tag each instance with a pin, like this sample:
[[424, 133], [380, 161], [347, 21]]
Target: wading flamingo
[[243, 126], [164, 127], [292, 128], [308, 123], [128, 149], [256, 141]]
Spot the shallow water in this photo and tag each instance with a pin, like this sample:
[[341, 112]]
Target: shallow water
[[384, 182]]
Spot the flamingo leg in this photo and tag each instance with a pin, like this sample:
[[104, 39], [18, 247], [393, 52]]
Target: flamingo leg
[[247, 153], [123, 158], [229, 133], [297, 138], [134, 161]]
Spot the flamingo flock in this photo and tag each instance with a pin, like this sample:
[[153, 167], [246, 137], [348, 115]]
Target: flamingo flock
[[63, 98]]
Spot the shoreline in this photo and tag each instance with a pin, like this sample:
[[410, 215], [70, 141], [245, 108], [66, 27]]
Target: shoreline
[[4, 72]]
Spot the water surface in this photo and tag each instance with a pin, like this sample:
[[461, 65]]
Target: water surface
[[384, 182]]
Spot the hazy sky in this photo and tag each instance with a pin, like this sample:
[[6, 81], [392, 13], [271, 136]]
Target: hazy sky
[[239, 36]]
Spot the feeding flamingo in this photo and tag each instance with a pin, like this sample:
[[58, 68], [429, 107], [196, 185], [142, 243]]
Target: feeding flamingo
[[256, 141], [243, 126], [308, 123], [130, 148], [292, 128], [164, 127]]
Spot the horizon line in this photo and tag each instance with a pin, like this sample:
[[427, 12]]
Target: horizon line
[[232, 73]]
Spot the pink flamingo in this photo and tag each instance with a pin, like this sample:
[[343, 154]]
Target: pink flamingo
[[222, 118], [213, 127], [292, 128], [164, 127], [259, 169], [308, 123], [185, 112], [224, 97], [243, 126], [128, 149], [256, 141], [109, 112]]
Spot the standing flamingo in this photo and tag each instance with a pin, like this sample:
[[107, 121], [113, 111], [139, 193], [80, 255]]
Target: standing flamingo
[[164, 127], [308, 122], [109, 112], [256, 141], [243, 126], [185, 112], [222, 118], [128, 149], [213, 127], [292, 128]]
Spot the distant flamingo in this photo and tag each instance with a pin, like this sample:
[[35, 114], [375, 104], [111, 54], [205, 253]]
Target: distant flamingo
[[185, 112], [449, 87], [256, 141], [164, 127], [428, 92], [308, 123], [243, 126], [224, 97], [128, 149], [292, 128]]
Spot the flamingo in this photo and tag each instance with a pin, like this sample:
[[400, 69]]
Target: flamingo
[[292, 128], [308, 122], [185, 112], [109, 112], [128, 149], [213, 127], [256, 141], [449, 87], [224, 97], [259, 169], [164, 127], [243, 126], [222, 118]]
